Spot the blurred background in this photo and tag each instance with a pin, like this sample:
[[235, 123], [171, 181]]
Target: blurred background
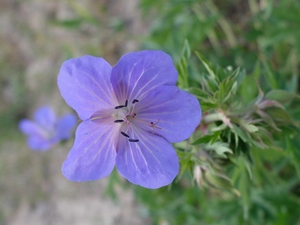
[[37, 36]]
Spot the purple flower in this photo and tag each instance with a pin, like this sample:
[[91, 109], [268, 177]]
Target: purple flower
[[46, 131], [131, 112]]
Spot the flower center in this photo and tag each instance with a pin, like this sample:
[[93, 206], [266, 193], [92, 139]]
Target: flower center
[[121, 113], [126, 114], [47, 133]]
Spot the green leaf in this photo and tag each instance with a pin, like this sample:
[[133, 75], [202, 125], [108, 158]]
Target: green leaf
[[207, 138], [206, 106], [227, 89], [279, 115], [220, 148], [249, 127], [186, 51], [212, 84], [182, 67], [231, 92], [200, 94], [267, 119], [293, 152], [206, 65], [241, 180], [207, 101], [242, 134], [218, 180], [281, 96], [269, 74], [186, 162], [257, 70]]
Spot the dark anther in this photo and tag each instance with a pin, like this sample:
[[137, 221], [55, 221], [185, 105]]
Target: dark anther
[[119, 121], [126, 103], [133, 140], [120, 106], [126, 135], [134, 101], [151, 123]]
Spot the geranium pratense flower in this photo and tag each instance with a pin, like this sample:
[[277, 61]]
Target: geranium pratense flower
[[130, 112], [46, 131]]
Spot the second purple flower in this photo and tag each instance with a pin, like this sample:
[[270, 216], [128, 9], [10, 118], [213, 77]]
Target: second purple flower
[[130, 112]]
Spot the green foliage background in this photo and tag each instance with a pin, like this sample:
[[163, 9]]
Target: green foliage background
[[241, 60]]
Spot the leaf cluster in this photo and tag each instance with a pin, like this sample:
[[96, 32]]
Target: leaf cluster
[[242, 164]]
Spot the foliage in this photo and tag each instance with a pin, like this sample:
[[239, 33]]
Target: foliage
[[242, 164]]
